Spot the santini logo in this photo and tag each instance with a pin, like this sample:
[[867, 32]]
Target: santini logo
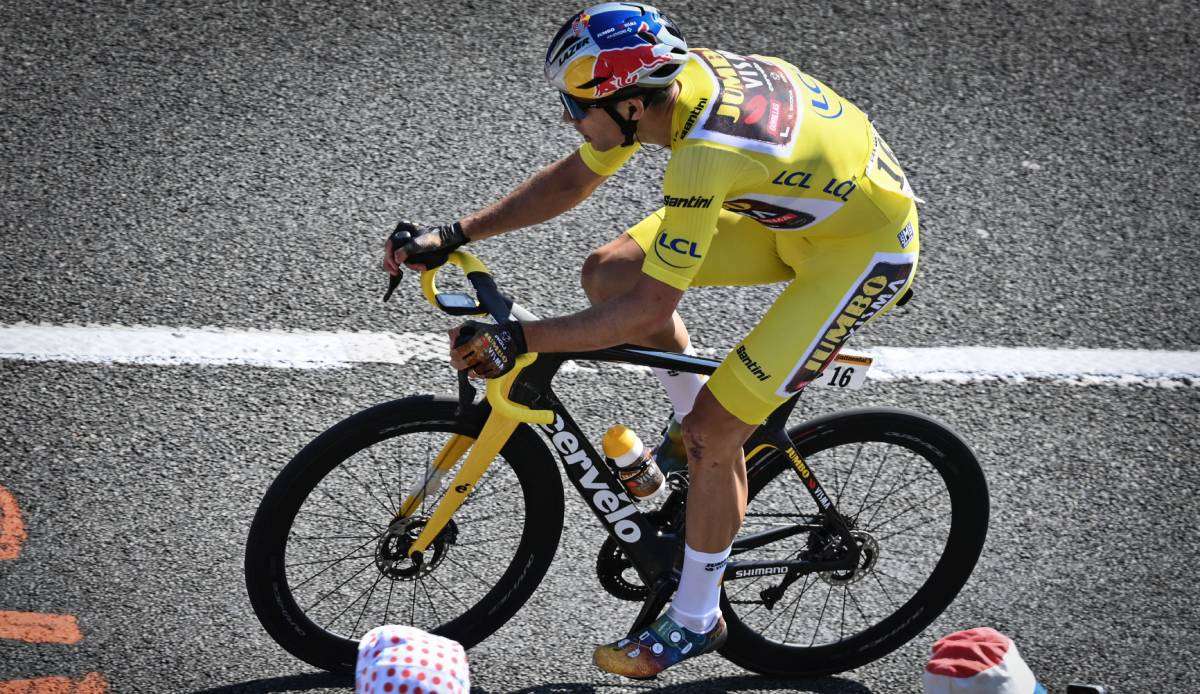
[[691, 119], [694, 201], [755, 369]]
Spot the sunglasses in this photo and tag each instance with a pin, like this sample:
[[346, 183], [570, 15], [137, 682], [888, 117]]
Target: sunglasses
[[576, 109]]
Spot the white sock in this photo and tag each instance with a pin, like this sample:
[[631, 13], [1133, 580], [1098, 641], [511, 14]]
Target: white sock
[[682, 387], [697, 603]]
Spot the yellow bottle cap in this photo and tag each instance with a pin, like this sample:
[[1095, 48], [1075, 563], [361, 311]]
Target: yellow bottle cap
[[622, 444]]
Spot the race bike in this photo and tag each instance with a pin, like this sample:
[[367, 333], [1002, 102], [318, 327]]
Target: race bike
[[445, 513]]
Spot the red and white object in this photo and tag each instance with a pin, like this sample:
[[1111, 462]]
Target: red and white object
[[978, 661], [405, 660]]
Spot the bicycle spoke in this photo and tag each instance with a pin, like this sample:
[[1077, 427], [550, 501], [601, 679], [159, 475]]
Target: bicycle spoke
[[387, 608], [354, 632], [477, 543], [335, 589], [874, 479], [884, 589], [809, 582], [904, 553], [897, 579], [344, 558], [922, 522], [464, 523], [788, 632], [472, 573], [412, 613], [344, 507], [351, 475], [449, 590], [326, 561], [437, 618], [333, 537], [490, 492], [858, 606], [395, 510], [837, 501], [374, 526], [821, 618], [911, 482], [910, 507], [842, 627]]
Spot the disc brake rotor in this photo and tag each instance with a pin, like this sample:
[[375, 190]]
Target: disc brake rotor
[[868, 556], [391, 554]]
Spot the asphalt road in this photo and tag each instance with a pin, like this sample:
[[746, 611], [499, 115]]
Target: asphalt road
[[237, 164]]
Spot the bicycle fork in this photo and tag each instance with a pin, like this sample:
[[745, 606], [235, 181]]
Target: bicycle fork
[[500, 424]]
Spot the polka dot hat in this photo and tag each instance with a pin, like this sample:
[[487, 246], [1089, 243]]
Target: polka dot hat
[[405, 660], [978, 661]]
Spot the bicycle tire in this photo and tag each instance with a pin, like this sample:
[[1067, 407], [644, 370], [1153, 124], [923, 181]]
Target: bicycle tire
[[954, 463], [270, 593]]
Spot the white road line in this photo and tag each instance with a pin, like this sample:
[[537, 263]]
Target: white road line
[[108, 344]]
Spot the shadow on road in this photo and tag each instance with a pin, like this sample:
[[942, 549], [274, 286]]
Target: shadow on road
[[326, 680], [291, 683], [824, 685]]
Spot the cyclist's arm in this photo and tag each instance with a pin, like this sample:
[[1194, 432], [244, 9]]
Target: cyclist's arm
[[544, 195], [628, 318]]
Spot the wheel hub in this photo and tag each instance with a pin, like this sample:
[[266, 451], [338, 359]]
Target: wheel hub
[[868, 556], [391, 554]]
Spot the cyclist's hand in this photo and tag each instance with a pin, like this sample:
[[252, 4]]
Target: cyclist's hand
[[421, 248], [487, 350]]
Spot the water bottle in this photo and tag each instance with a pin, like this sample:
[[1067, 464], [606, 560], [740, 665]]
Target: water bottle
[[635, 468]]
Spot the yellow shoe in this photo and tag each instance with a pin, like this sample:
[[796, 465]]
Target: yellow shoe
[[663, 644]]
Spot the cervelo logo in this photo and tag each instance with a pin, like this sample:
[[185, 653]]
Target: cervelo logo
[[604, 500], [678, 245]]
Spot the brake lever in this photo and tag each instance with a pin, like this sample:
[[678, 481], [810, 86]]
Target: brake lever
[[466, 392], [393, 282], [400, 236]]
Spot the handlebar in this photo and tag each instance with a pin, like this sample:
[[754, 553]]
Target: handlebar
[[500, 308]]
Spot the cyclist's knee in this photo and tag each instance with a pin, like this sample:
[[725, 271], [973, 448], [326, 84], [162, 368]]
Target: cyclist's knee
[[711, 433]]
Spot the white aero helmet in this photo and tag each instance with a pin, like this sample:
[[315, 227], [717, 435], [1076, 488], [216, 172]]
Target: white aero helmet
[[615, 50]]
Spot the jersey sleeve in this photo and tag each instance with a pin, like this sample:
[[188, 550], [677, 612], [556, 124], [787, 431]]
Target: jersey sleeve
[[697, 180], [606, 163]]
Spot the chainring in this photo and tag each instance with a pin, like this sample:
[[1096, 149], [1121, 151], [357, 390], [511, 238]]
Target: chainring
[[611, 565]]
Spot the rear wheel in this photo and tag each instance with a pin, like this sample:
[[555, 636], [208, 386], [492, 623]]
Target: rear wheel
[[326, 560], [917, 503]]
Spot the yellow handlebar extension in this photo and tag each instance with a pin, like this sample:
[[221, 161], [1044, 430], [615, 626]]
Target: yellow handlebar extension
[[497, 388]]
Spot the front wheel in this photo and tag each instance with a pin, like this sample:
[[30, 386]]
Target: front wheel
[[916, 501], [326, 555]]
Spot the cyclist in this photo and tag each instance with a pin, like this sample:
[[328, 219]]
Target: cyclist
[[773, 177]]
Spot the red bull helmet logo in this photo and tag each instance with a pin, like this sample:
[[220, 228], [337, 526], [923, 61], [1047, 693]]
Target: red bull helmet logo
[[613, 46], [618, 68]]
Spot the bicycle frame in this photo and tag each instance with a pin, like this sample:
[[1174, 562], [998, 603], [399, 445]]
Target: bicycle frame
[[653, 552]]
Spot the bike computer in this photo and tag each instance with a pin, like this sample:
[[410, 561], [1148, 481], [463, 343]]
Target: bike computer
[[458, 304]]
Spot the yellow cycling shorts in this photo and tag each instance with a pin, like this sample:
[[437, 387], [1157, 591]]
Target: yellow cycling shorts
[[839, 280]]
